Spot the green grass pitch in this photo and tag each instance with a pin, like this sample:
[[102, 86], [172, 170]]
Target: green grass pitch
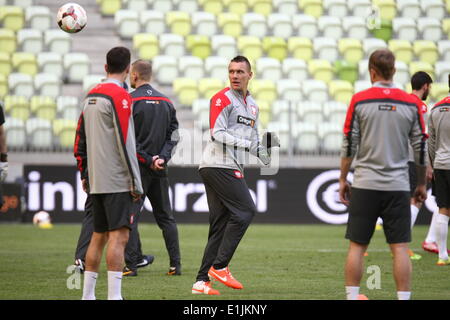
[[273, 262]]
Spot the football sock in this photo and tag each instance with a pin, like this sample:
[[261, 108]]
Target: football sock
[[90, 280], [431, 236], [414, 213], [404, 295], [114, 285], [442, 232], [352, 292]]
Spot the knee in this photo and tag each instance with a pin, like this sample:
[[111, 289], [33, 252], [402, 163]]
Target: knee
[[119, 237], [245, 217]]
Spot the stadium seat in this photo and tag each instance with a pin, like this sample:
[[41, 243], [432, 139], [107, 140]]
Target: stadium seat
[[401, 75], [263, 7], [321, 70], [171, 45], [224, 46], [331, 136], [90, 81], [405, 28], [255, 24], [442, 70], [305, 25], [355, 27], [22, 3], [336, 8], [43, 107], [335, 112], [264, 115], [268, 68], [12, 17], [216, 67], [146, 44], [57, 41], [204, 23], [310, 112], [30, 40], [315, 90], [350, 49], [360, 8], [136, 5], [250, 47], [166, 68], [403, 50], [3, 86], [289, 89], [331, 27], [426, 51], [179, 22], [312, 7], [284, 111], [388, 8], [15, 133], [200, 105], [7, 41], [127, 23], [383, 30], [40, 134], [77, 66], [295, 69], [47, 84], [439, 90], [275, 47], [38, 17], [372, 44], [153, 22], [186, 90], [236, 6], [282, 131], [341, 91], [230, 23], [190, 6], [307, 137], [300, 48], [17, 107], [68, 107], [21, 84], [346, 70], [190, 67], [280, 24], [289, 7], [421, 66], [263, 90], [209, 87], [446, 26], [409, 8], [433, 8], [65, 130], [50, 62], [24, 62], [198, 45], [431, 28], [110, 7], [162, 5], [5, 63], [363, 69], [212, 6], [361, 85], [326, 49]]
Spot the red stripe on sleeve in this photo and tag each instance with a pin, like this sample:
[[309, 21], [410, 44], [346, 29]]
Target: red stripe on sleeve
[[77, 143], [218, 102]]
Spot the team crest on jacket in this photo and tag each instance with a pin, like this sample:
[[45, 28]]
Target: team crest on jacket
[[238, 174], [124, 104], [253, 109], [218, 102]]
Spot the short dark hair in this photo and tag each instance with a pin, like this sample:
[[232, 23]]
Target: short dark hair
[[242, 59], [143, 68], [419, 79], [383, 61], [118, 60]]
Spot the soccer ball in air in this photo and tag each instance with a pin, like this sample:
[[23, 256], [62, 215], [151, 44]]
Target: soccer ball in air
[[42, 220], [71, 18]]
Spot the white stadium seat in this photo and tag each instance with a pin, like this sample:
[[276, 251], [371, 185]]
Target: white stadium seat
[[355, 27], [430, 28], [326, 49], [21, 84], [172, 44], [401, 75], [286, 6], [442, 70], [295, 69], [361, 8], [15, 133], [433, 8], [405, 28], [289, 89], [315, 90], [268, 68], [331, 27], [307, 137], [409, 8], [444, 49], [166, 69], [280, 24], [191, 67], [39, 17], [30, 39], [224, 46], [127, 22], [310, 111], [255, 24], [68, 107], [305, 25], [51, 62], [90, 81], [77, 66], [47, 84], [217, 67], [336, 8], [205, 23], [153, 22], [57, 41], [40, 134], [331, 136]]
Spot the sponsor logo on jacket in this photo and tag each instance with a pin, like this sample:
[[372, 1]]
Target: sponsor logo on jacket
[[246, 121]]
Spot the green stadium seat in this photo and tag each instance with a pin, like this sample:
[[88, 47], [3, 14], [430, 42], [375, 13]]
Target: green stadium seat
[[40, 133], [166, 69], [7, 41], [17, 107], [236, 6], [208, 87], [24, 62], [263, 7], [77, 66], [146, 44], [47, 84], [446, 27], [43, 107], [405, 28], [39, 17], [200, 46], [341, 90], [315, 90], [275, 47], [321, 70], [110, 7], [127, 23], [57, 41], [268, 68], [12, 17], [5, 63], [307, 139], [300, 48], [153, 22], [65, 130], [331, 27], [3, 86], [426, 51], [311, 7], [351, 49], [310, 112], [191, 67], [179, 22], [30, 40], [286, 6], [347, 71], [255, 24], [439, 91], [384, 31], [433, 8], [212, 6], [431, 28], [15, 133], [422, 66], [409, 8], [263, 90], [204, 23], [295, 69], [230, 24], [224, 46], [280, 24], [68, 107], [388, 8], [336, 8], [250, 47], [305, 25], [172, 44], [403, 50]]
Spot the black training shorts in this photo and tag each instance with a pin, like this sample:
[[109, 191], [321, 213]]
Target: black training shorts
[[441, 187], [113, 211], [365, 208]]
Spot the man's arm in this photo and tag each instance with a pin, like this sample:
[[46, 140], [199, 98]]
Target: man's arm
[[344, 186], [3, 155], [172, 136], [418, 138], [80, 152]]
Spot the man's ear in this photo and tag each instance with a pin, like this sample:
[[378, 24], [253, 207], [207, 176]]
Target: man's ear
[[106, 68]]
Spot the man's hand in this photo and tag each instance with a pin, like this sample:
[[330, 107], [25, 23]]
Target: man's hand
[[135, 196], [85, 185], [344, 192], [420, 194], [159, 164], [3, 170], [270, 140], [429, 174]]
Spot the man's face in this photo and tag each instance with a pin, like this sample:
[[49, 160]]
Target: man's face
[[239, 75], [133, 78]]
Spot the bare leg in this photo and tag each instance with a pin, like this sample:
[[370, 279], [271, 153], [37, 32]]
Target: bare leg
[[95, 251], [402, 266], [116, 247], [354, 264]]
